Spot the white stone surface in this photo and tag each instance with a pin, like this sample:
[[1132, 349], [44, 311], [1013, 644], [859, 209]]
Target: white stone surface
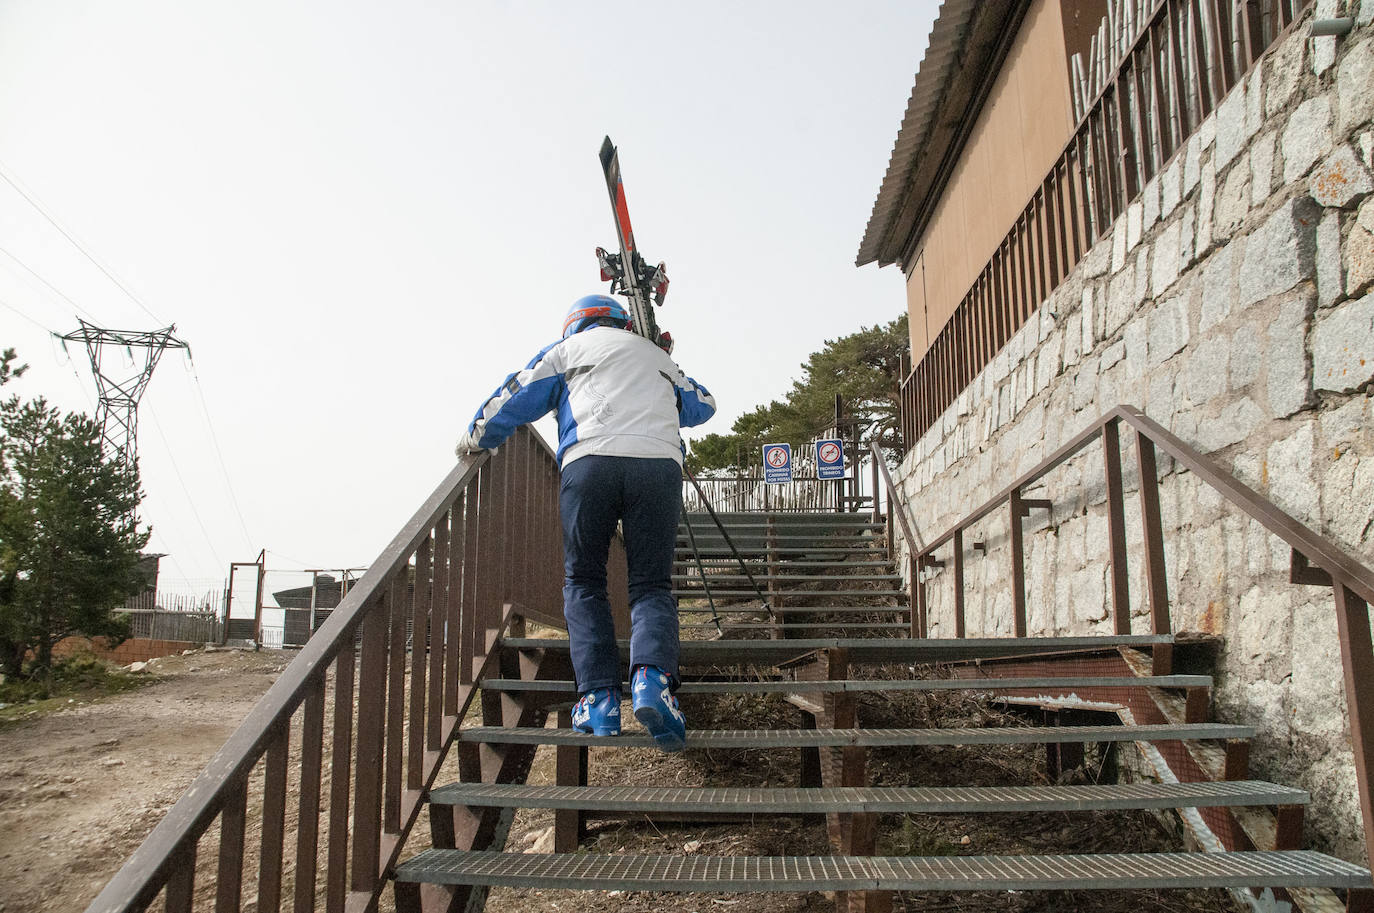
[[1135, 218], [1341, 180], [1136, 339], [1118, 244], [1245, 357], [1261, 168], [1307, 137], [1285, 70], [1167, 261], [1233, 200], [1169, 189], [1288, 378], [1358, 258], [1324, 47], [1232, 425], [1292, 484], [1279, 253], [1168, 331], [1329, 272], [1149, 201], [1218, 287], [1205, 370], [1192, 164], [1230, 127], [1343, 347], [1354, 76], [1206, 200]]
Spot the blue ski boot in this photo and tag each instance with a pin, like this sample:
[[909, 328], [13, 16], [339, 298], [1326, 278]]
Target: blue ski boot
[[657, 709], [598, 712]]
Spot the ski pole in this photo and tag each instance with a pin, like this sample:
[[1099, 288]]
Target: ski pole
[[772, 616], [692, 537]]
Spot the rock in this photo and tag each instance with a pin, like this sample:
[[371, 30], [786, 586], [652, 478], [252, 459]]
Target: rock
[[1343, 347], [965, 840], [1341, 180], [691, 846], [136, 667], [1307, 137], [112, 762], [1280, 253], [1288, 383], [543, 843], [1353, 78], [1230, 123]]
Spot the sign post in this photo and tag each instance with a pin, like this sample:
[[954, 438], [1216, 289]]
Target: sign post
[[777, 464]]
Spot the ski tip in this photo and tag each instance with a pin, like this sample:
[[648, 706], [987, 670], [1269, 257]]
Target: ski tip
[[607, 150]]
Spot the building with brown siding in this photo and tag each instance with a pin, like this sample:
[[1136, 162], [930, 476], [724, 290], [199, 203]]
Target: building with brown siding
[[1166, 204]]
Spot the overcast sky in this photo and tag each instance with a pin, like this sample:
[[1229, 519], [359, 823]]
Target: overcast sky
[[361, 216]]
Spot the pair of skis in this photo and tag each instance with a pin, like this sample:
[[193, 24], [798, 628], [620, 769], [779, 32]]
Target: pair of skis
[[628, 272]]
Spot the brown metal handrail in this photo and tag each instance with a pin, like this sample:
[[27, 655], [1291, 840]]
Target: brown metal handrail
[[1316, 561], [481, 548]]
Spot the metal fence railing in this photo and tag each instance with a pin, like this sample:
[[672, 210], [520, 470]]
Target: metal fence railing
[[941, 560], [481, 550]]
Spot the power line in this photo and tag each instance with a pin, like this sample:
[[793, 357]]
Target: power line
[[189, 500], [6, 304], [214, 439], [4, 173], [52, 288]]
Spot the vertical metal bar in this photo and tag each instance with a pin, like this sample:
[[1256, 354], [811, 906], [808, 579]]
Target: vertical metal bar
[[1357, 662], [233, 824], [1018, 563], [336, 874], [370, 753], [1155, 579], [476, 579], [273, 823], [401, 597], [439, 635], [918, 598], [1074, 174], [1116, 528], [1183, 124], [308, 818], [181, 883], [423, 639], [460, 533], [958, 583]]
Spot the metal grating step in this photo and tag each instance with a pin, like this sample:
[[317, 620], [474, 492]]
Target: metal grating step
[[870, 650], [1298, 868], [898, 800], [805, 626], [868, 738], [729, 593], [812, 609], [742, 580], [1052, 685]]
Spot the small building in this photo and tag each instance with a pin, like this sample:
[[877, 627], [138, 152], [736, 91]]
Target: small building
[[1167, 204]]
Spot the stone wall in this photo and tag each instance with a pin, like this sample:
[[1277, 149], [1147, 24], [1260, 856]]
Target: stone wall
[[133, 650], [1232, 302]]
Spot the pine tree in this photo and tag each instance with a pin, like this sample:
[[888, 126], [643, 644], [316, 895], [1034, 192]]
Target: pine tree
[[864, 368], [69, 536]]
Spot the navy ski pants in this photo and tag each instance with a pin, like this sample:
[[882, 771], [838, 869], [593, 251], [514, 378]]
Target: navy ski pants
[[645, 495]]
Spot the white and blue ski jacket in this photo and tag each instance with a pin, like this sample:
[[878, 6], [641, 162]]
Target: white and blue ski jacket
[[615, 392]]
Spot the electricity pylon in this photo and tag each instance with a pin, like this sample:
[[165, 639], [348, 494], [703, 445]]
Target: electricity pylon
[[117, 411]]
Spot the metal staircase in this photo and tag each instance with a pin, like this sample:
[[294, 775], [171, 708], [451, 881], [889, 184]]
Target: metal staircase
[[362, 724], [812, 571]]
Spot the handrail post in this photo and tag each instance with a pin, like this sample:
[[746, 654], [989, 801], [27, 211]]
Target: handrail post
[[1156, 583], [1016, 510], [1116, 527], [959, 583], [917, 600], [1357, 661]]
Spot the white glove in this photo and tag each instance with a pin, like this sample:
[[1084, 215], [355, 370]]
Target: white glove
[[467, 444]]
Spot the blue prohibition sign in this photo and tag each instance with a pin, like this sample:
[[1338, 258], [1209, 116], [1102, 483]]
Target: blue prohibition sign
[[777, 464], [830, 459]]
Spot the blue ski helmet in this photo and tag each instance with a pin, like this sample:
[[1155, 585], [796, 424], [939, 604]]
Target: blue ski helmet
[[586, 311]]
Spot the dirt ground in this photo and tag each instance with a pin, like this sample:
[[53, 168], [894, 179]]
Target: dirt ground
[[81, 788]]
